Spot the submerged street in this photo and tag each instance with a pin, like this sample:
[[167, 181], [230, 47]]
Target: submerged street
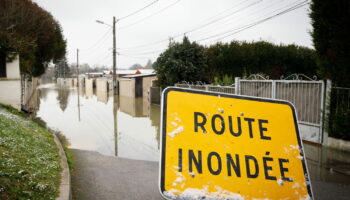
[[116, 146], [115, 126]]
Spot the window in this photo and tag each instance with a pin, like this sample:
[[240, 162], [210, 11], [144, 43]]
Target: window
[[2, 65]]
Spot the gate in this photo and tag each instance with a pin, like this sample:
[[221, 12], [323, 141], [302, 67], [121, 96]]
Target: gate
[[306, 94]]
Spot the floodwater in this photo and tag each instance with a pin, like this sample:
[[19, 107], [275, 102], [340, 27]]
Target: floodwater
[[129, 128], [99, 121]]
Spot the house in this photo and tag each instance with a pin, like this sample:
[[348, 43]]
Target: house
[[14, 91], [9, 70], [10, 82], [120, 73], [136, 85]]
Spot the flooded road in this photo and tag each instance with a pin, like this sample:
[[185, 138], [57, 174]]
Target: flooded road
[[98, 121], [129, 128]]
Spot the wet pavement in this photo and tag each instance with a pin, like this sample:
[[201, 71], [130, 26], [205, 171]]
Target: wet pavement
[[328, 170], [97, 176], [101, 177], [115, 137]]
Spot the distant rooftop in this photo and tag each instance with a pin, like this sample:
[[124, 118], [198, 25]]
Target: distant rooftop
[[140, 75], [131, 71]]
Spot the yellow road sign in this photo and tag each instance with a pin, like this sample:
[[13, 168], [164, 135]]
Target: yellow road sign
[[220, 146]]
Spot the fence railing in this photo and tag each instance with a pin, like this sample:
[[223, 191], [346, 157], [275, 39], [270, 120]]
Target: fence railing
[[341, 97], [212, 88], [306, 95]]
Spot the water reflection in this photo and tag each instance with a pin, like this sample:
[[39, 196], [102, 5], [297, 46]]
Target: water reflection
[[327, 165], [115, 122], [133, 136], [99, 121], [89, 92], [62, 97], [102, 96]]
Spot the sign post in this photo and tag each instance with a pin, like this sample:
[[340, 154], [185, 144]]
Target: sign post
[[221, 146]]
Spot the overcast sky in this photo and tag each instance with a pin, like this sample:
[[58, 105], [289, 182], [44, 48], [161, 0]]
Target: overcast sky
[[145, 35]]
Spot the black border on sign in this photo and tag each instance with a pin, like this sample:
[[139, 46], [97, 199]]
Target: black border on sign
[[163, 128]]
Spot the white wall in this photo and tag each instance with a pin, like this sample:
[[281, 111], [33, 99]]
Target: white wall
[[147, 84], [10, 93], [89, 82], [101, 84], [127, 87], [12, 69]]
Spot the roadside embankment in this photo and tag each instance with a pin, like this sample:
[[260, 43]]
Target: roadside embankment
[[30, 163]]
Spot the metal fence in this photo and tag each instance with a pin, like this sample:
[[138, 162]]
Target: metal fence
[[306, 94], [205, 87], [341, 98], [222, 89]]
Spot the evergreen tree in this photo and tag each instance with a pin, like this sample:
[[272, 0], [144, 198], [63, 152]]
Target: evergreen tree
[[237, 59], [331, 22], [30, 31], [186, 61], [62, 69]]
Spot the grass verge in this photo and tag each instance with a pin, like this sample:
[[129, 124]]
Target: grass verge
[[29, 159]]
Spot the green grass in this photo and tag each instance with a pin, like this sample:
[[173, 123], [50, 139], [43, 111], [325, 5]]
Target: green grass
[[65, 143], [69, 158], [29, 159]]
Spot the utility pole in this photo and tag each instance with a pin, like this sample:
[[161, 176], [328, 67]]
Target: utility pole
[[78, 84], [114, 60], [114, 53], [64, 69], [78, 67]]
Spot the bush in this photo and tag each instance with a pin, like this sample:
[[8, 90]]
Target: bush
[[186, 61], [339, 117]]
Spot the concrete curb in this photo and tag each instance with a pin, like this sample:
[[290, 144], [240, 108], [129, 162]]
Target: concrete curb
[[338, 144], [65, 184]]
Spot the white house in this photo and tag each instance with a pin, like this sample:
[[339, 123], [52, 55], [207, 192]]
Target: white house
[[10, 82], [9, 70]]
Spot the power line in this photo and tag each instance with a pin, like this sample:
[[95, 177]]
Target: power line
[[199, 27], [227, 21], [139, 10], [299, 5], [98, 41], [143, 52], [137, 57], [238, 30], [147, 44], [149, 16], [216, 20], [97, 47], [218, 34], [105, 56], [225, 34], [224, 11], [103, 61]]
